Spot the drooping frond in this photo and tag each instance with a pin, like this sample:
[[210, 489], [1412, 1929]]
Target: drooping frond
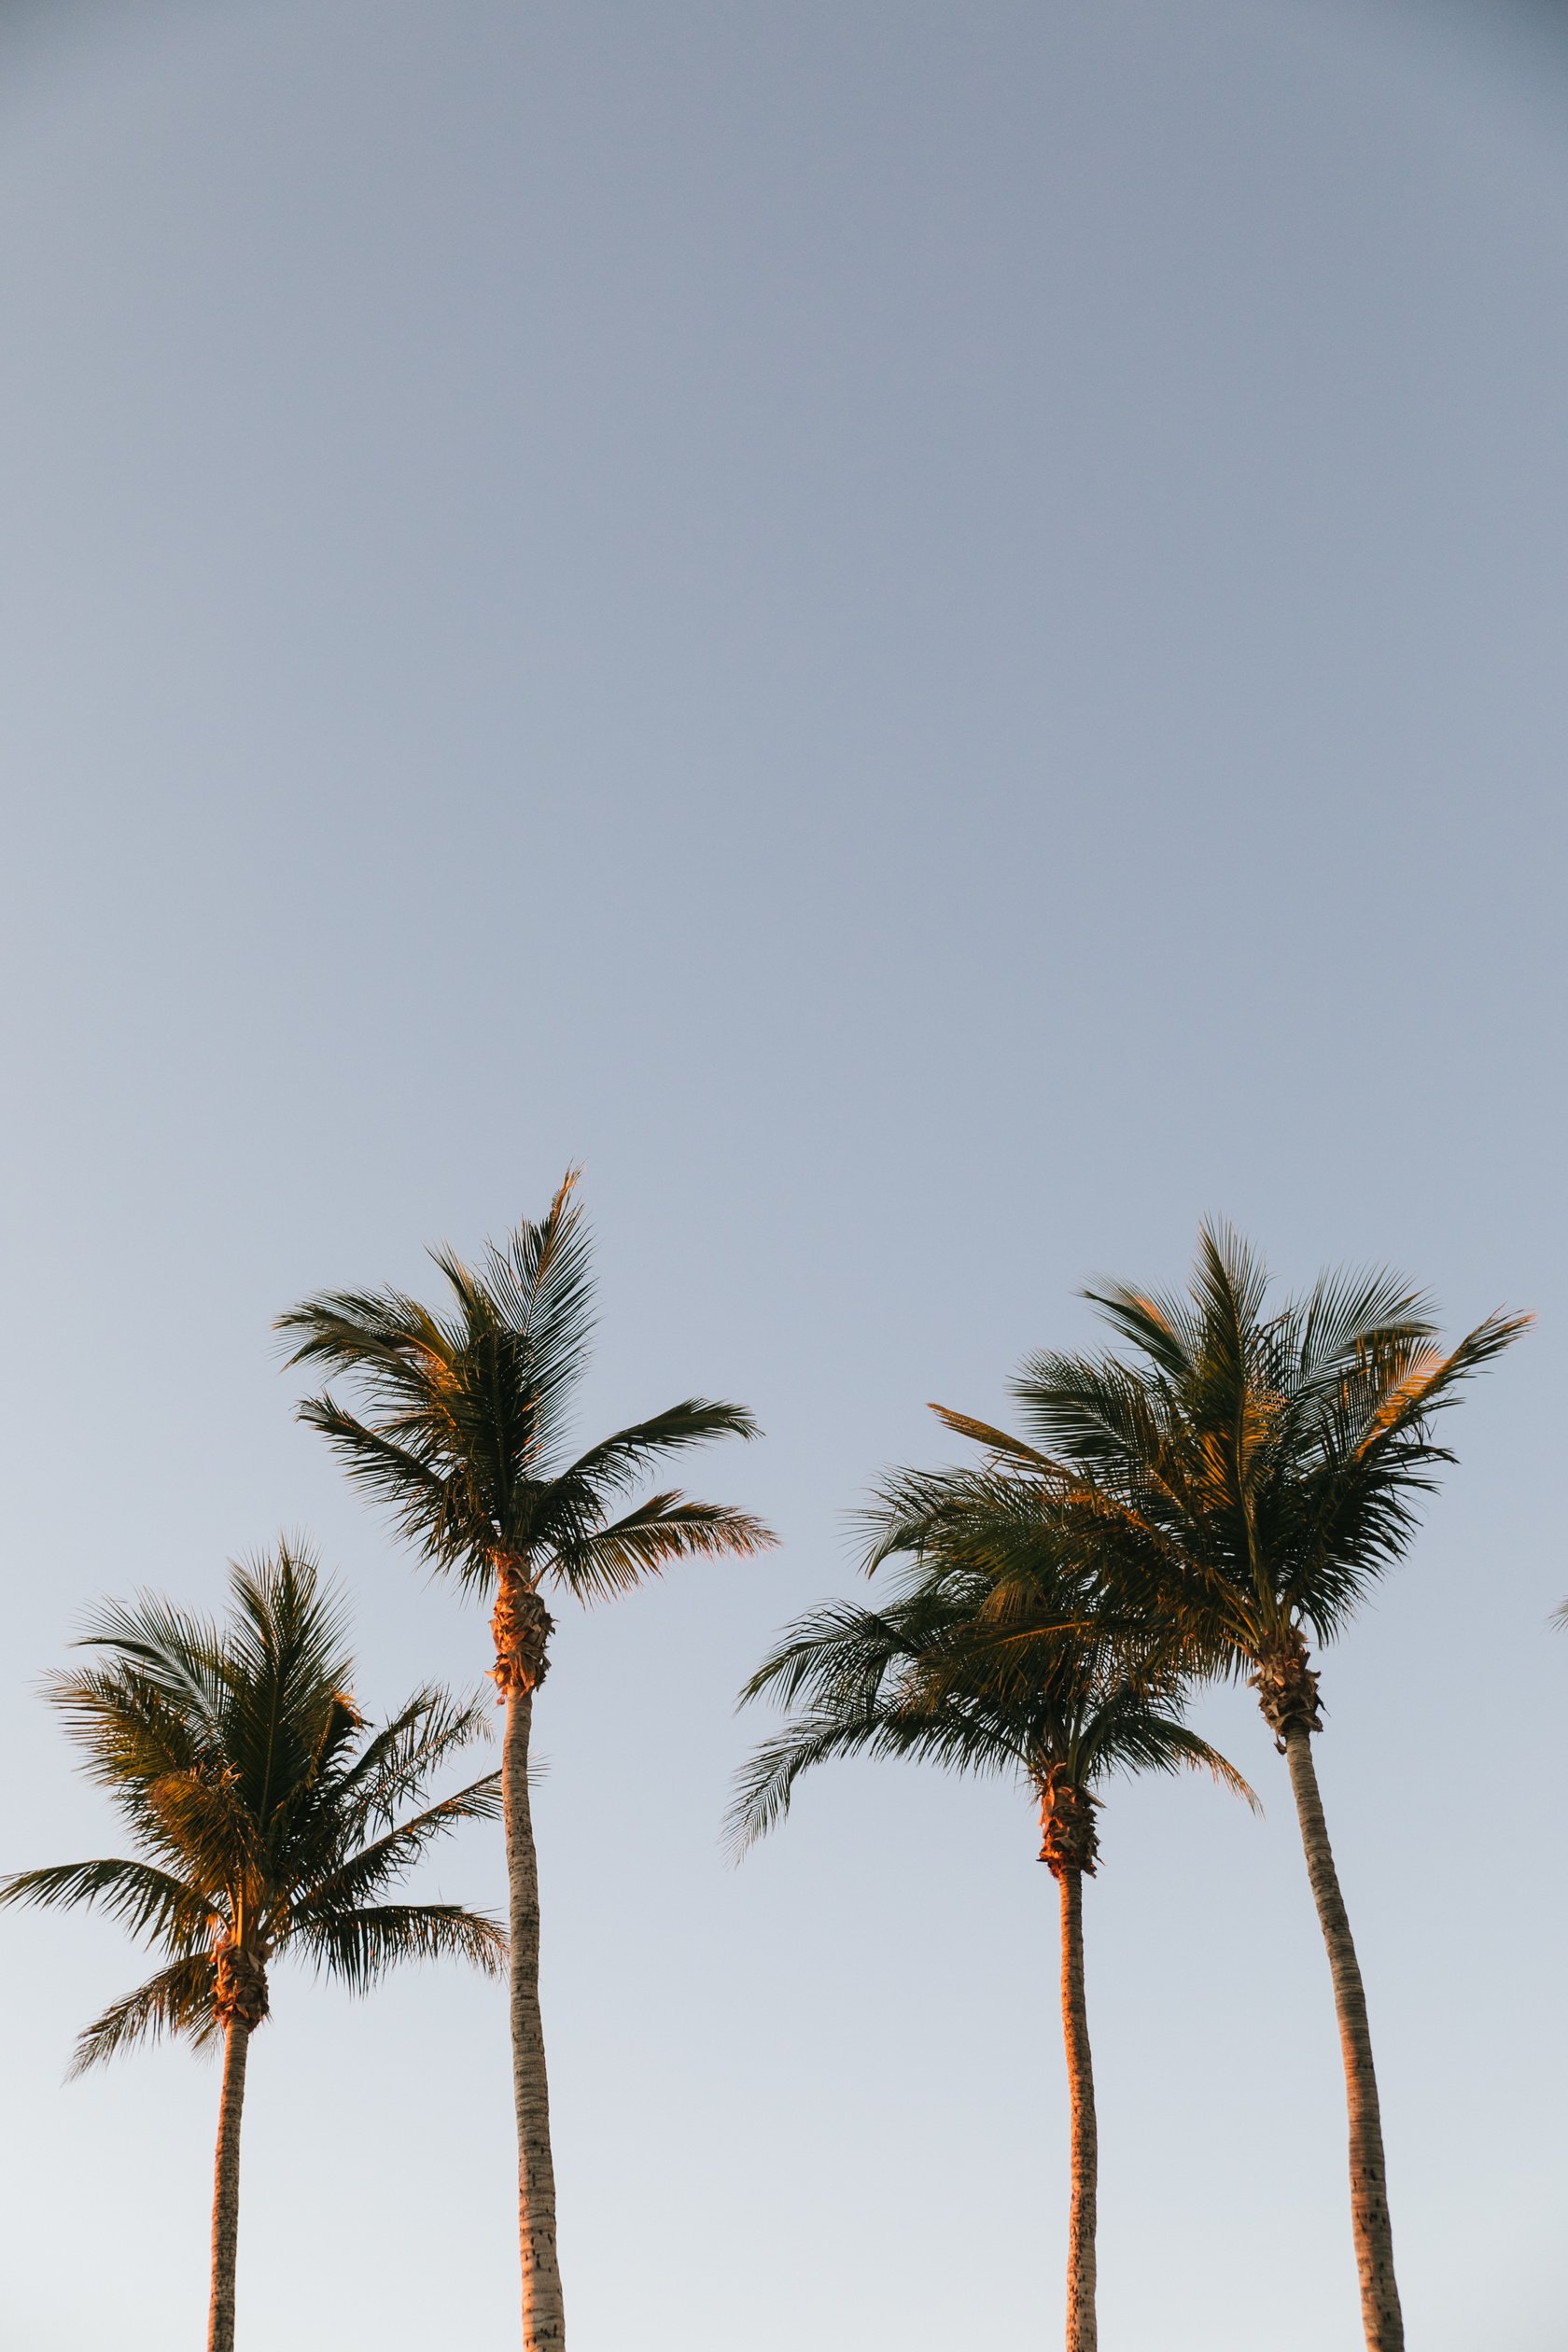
[[1136, 1737], [360, 1946], [766, 1785], [430, 1504], [1002, 1651], [177, 2000], [152, 1904], [605, 1560]]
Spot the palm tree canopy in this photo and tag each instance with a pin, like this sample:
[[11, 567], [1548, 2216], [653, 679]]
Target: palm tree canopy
[[1247, 1470], [463, 1421], [266, 1815], [997, 1653]]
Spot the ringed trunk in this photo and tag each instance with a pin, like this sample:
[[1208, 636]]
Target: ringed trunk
[[1070, 1848], [1083, 2334], [1380, 2314], [226, 2186], [544, 2324]]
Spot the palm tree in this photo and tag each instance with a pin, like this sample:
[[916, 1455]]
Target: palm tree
[[462, 1435], [1246, 1475], [268, 1817], [996, 1655]]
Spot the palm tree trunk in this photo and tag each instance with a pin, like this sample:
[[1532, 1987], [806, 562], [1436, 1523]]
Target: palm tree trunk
[[1083, 2334], [544, 2323], [1381, 2315], [226, 2188]]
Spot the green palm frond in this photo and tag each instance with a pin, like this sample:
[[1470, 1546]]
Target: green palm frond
[[384, 1335], [177, 2000], [1344, 1309], [1138, 1739], [262, 1807], [1002, 1651], [996, 1441], [395, 1765], [458, 1422], [386, 1858], [428, 1508], [1239, 1470], [536, 1290], [169, 1650], [152, 1904], [767, 1782], [616, 1461], [359, 1946], [611, 1560], [130, 1731]]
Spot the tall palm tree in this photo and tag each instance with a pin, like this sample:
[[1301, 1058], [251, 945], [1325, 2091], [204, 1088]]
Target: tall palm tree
[[462, 1434], [268, 1817], [1247, 1473], [996, 1655]]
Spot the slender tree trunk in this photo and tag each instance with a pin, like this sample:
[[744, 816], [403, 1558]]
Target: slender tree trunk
[[544, 2324], [226, 2188], [1083, 2333], [1369, 2213]]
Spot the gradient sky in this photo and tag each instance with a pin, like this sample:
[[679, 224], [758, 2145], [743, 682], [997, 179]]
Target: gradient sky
[[933, 636]]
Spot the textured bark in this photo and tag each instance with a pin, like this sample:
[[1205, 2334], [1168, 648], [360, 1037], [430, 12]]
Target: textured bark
[[1286, 1687], [1083, 2333], [1369, 2213], [226, 2186], [544, 2325], [520, 1626], [1069, 1839]]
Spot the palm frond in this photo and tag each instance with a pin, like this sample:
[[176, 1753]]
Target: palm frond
[[252, 1785], [458, 1424], [370, 1867], [540, 1286], [1000, 1653], [385, 1336], [1241, 1470], [163, 1649], [359, 1946], [965, 1742], [611, 1560], [150, 1903], [1138, 1739], [177, 2000], [1000, 1442], [616, 1461], [396, 1763], [427, 1505]]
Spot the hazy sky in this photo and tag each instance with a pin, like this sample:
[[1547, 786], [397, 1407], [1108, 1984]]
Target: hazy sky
[[933, 636]]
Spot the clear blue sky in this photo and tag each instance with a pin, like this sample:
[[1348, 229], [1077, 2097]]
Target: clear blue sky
[[934, 637]]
